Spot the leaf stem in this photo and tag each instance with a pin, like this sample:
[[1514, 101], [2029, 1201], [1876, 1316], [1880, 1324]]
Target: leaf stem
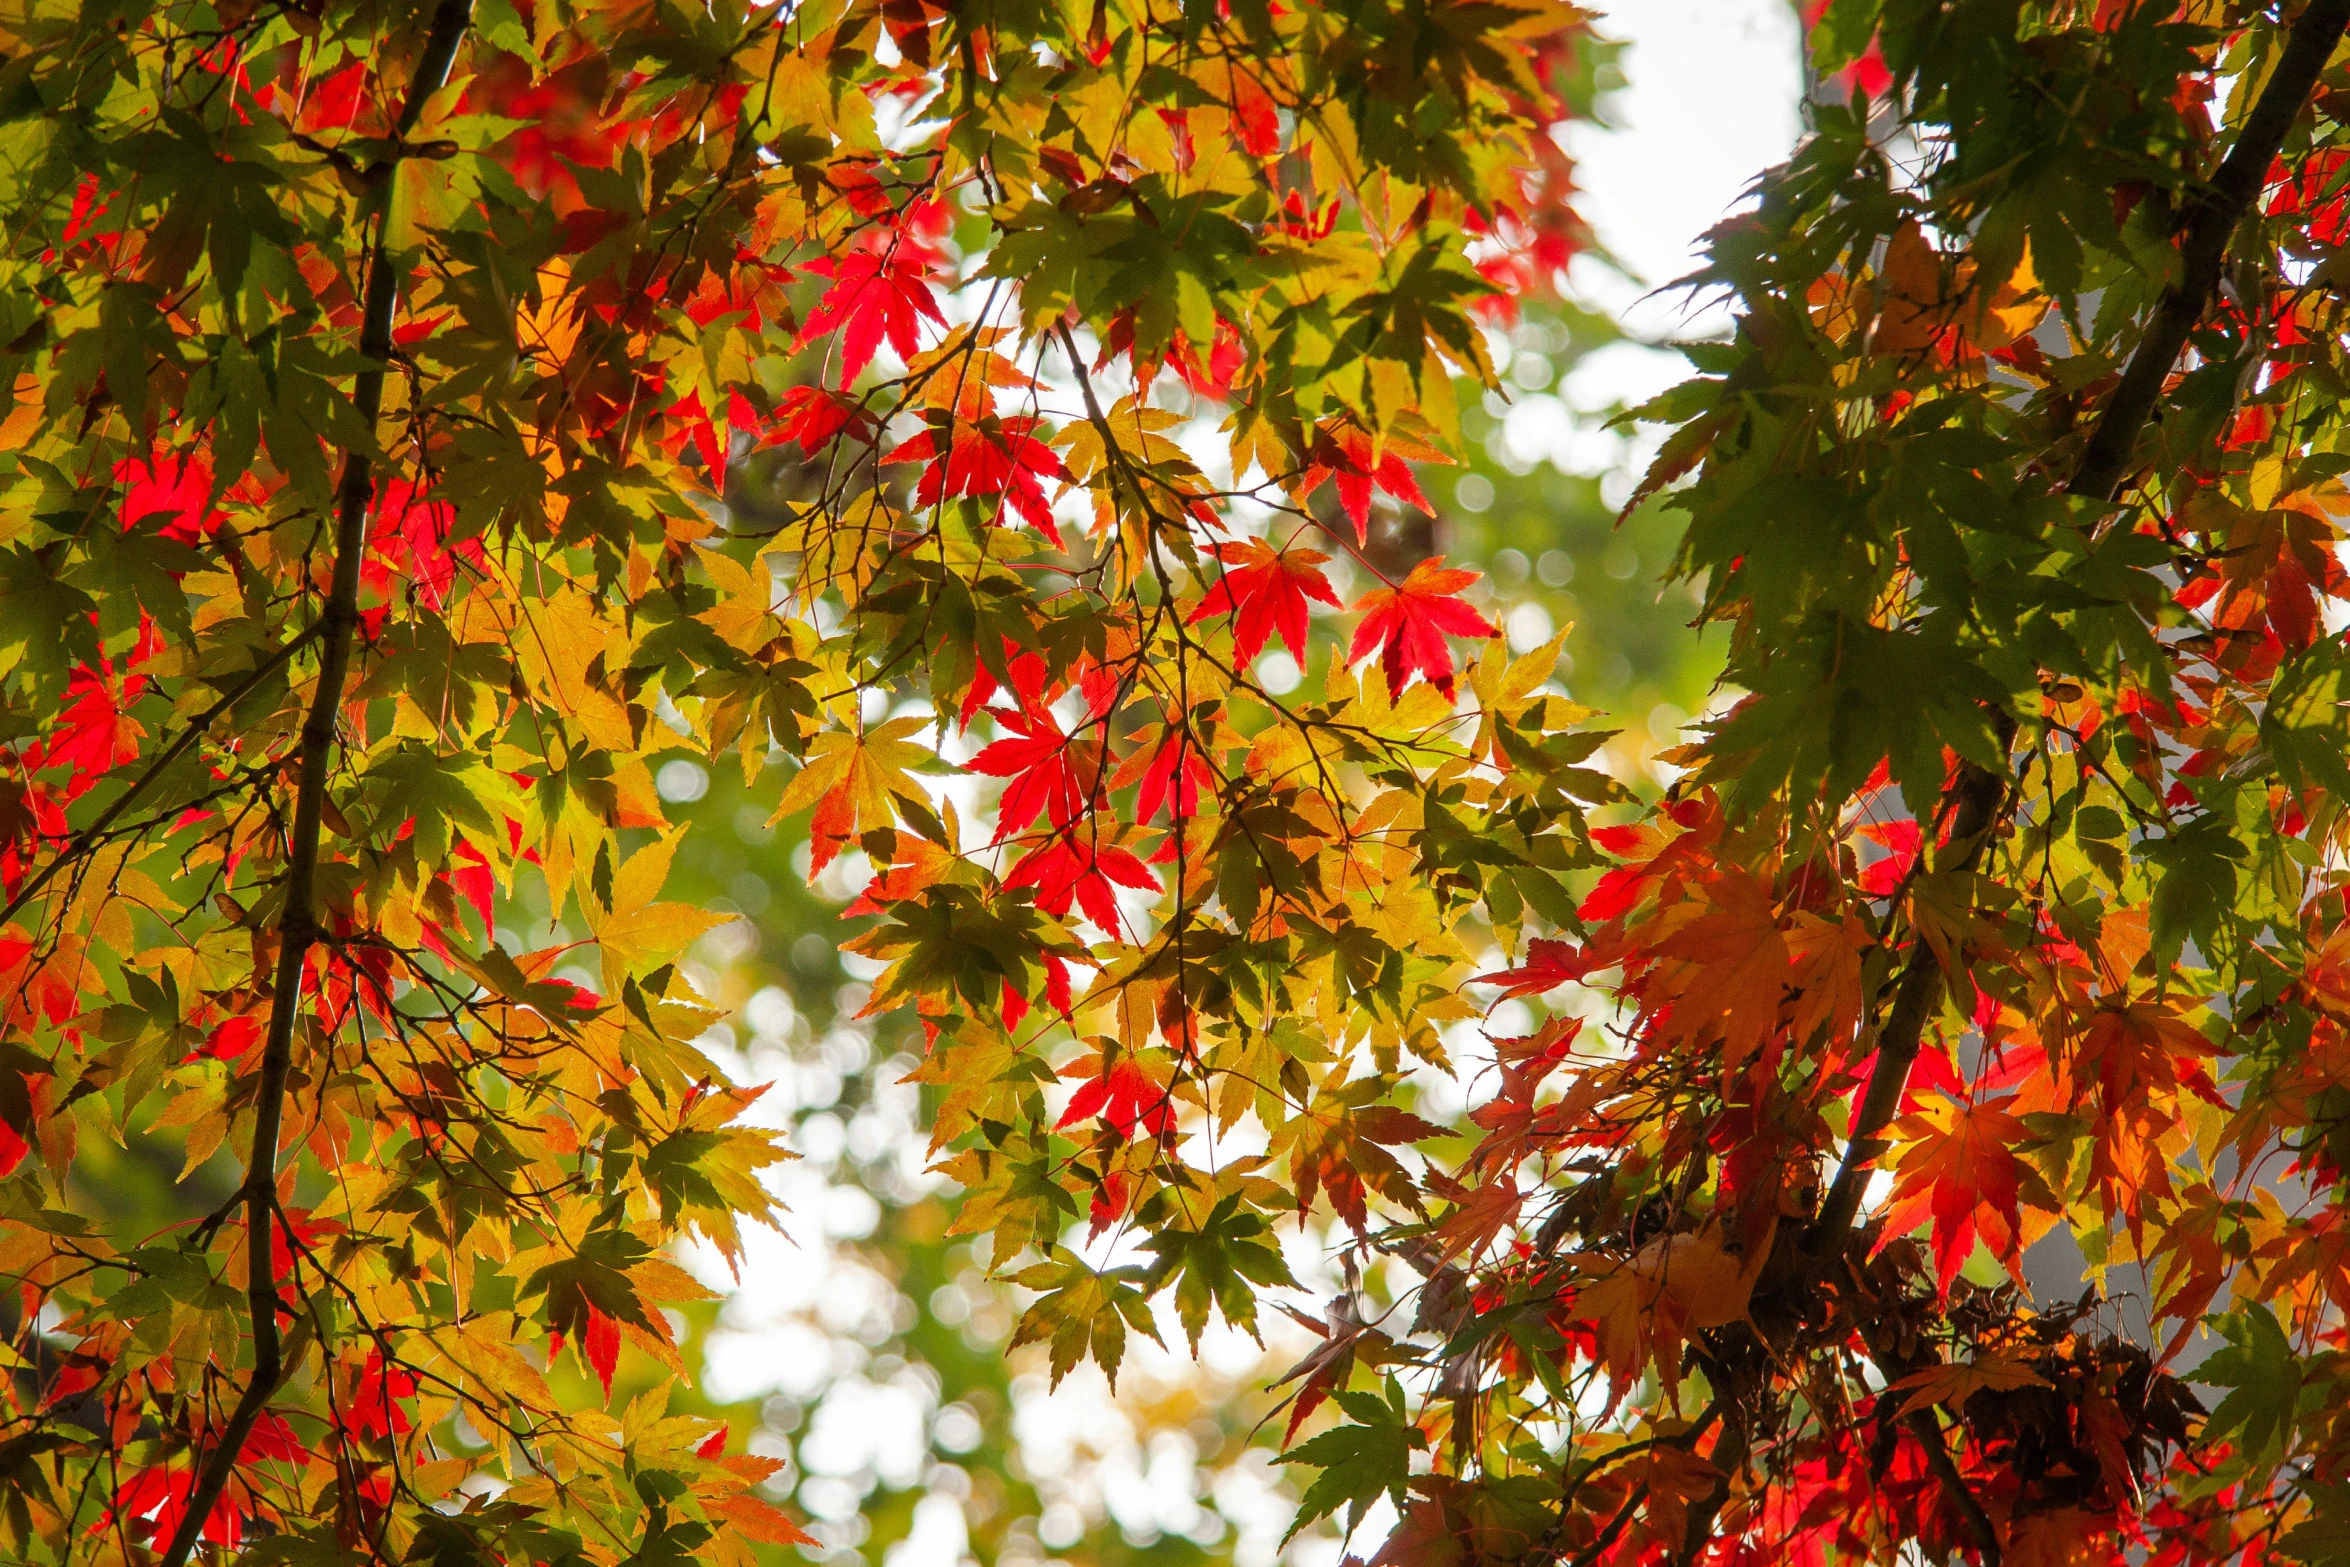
[[298, 926]]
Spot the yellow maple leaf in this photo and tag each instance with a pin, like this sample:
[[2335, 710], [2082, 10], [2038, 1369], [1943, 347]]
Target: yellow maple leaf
[[849, 779], [636, 932]]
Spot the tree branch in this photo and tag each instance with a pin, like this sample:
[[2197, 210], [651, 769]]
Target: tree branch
[[298, 926], [2203, 248], [1928, 1431], [2104, 465], [1978, 795]]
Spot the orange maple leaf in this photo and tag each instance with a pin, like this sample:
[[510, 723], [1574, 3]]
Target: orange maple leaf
[[1958, 1168]]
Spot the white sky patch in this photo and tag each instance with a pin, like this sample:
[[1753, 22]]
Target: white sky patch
[[1712, 98]]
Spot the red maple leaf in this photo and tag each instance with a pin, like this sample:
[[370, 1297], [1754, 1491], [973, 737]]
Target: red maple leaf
[[690, 421], [1126, 1096], [156, 1500], [1361, 462], [1408, 623], [1072, 868], [1053, 774], [95, 734], [1210, 374], [410, 535], [873, 296], [1265, 591], [1170, 773], [375, 1409], [985, 457], [173, 490], [1256, 118], [1959, 1168], [2310, 185], [811, 416], [1900, 841], [228, 1041], [1548, 965]]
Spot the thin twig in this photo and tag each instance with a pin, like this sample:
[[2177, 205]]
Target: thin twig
[[82, 842]]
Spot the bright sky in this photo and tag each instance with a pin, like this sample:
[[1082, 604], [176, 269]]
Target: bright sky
[[1712, 100]]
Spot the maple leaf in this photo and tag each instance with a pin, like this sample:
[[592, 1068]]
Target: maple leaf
[[873, 295], [1346, 1341], [1056, 775], [2130, 1049], [1726, 970], [174, 487], [1361, 1461], [984, 457], [1360, 462], [851, 780], [1334, 1148], [1222, 1263], [410, 532], [1951, 1384], [2264, 1379], [590, 1293], [378, 1406], [1083, 1313], [95, 734], [1479, 1213], [1124, 1093], [813, 415], [1265, 591], [158, 1500], [1958, 1168], [690, 423], [1549, 964], [1171, 773], [1406, 624], [1081, 868], [1256, 119]]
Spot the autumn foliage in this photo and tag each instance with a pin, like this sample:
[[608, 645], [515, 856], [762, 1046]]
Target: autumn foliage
[[421, 422]]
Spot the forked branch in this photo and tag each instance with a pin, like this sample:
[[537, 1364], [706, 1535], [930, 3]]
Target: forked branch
[[195, 729]]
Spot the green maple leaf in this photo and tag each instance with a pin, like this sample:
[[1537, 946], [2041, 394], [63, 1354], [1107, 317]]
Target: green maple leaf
[[2323, 1538], [1360, 1462], [2259, 1365], [594, 1276], [1084, 1313], [1220, 1264]]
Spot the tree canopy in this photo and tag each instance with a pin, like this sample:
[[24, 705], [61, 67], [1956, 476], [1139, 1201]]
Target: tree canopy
[[425, 424]]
